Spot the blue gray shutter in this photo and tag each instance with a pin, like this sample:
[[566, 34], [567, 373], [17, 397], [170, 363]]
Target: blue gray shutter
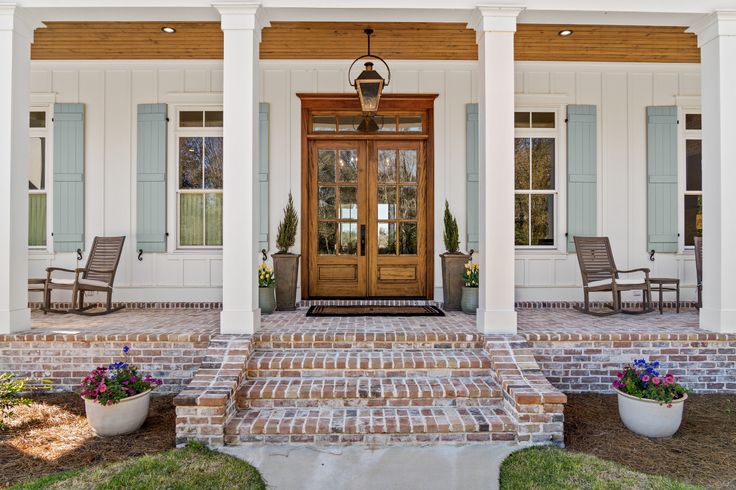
[[662, 179], [68, 177], [151, 189], [582, 172], [472, 202], [263, 175]]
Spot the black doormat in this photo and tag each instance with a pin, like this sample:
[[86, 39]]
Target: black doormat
[[373, 310]]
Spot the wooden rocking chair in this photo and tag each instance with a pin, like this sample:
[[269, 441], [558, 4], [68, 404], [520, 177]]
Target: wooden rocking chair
[[699, 268], [601, 275], [97, 275]]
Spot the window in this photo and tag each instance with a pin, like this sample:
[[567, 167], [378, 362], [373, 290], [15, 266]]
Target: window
[[199, 178], [37, 181], [693, 199], [535, 179], [387, 123]]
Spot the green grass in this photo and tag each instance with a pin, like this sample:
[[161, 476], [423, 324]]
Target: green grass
[[193, 467], [550, 467]]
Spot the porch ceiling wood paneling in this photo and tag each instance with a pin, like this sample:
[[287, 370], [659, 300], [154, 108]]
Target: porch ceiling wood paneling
[[345, 40]]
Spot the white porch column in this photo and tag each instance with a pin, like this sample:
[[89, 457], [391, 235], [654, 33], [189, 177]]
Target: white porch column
[[495, 27], [242, 28], [16, 35], [717, 42]]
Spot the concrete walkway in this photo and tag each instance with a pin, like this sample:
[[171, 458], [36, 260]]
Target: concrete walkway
[[443, 467]]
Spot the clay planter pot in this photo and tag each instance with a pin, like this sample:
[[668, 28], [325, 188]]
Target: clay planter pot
[[453, 268], [124, 417], [469, 300], [266, 300], [648, 417], [286, 270]]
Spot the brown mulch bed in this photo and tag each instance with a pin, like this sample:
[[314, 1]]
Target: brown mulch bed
[[703, 452], [52, 435]]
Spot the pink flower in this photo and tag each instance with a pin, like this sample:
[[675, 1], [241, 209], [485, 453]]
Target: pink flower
[[669, 379], [645, 378], [619, 375], [102, 388], [109, 403], [656, 380]]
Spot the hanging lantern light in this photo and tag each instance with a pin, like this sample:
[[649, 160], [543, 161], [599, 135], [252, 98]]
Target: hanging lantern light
[[369, 86]]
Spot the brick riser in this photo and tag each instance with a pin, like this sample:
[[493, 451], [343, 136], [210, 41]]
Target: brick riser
[[369, 392], [350, 395]]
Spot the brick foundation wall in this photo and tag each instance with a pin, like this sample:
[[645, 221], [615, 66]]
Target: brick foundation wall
[[66, 359], [704, 363]]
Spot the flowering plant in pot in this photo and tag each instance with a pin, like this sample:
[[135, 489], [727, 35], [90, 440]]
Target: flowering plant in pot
[[266, 287], [471, 278], [649, 403], [117, 397]]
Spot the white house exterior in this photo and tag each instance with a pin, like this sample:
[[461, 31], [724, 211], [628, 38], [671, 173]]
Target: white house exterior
[[111, 92]]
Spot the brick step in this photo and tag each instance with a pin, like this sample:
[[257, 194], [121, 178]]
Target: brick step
[[368, 338], [369, 392], [383, 425], [367, 363]]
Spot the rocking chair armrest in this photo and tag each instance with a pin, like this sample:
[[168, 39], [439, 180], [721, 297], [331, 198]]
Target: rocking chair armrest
[[645, 270], [49, 270]]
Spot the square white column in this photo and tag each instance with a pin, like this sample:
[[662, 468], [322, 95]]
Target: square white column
[[717, 42], [16, 35], [495, 27], [242, 26]]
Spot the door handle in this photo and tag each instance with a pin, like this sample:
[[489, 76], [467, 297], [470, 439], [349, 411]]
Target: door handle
[[362, 240]]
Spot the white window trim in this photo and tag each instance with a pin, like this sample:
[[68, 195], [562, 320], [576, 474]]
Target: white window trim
[[44, 102], [683, 135], [173, 191], [560, 220]]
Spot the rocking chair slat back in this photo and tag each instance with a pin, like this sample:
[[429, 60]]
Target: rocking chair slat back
[[699, 259], [595, 258], [104, 256]]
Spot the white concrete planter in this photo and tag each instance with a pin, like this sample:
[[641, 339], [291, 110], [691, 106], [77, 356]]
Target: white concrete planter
[[124, 417], [648, 417]]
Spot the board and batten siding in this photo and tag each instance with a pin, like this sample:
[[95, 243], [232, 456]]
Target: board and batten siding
[[111, 93]]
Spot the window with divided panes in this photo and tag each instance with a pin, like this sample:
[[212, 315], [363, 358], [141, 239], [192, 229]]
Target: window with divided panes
[[693, 199], [199, 177], [535, 178], [37, 179]]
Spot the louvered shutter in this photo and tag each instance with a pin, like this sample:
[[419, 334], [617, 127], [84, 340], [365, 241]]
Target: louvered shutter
[[151, 190], [582, 172], [68, 164], [662, 179], [472, 202]]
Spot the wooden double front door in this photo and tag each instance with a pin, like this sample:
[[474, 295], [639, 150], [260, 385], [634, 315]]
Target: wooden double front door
[[368, 230], [367, 198]]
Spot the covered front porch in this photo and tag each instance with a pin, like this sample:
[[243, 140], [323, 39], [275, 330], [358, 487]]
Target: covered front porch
[[495, 80]]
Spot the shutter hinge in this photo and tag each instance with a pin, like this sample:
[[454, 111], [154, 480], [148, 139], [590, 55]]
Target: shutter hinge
[[566, 119]]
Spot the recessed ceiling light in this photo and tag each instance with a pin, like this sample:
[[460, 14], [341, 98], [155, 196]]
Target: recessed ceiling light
[[168, 29], [565, 33]]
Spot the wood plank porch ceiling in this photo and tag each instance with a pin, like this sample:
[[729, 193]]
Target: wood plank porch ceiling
[[344, 40]]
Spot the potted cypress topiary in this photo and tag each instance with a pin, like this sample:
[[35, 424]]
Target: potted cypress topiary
[[285, 264], [453, 263]]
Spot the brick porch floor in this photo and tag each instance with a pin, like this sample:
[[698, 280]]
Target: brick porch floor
[[534, 324]]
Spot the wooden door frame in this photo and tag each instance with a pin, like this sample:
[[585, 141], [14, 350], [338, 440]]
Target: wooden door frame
[[350, 103]]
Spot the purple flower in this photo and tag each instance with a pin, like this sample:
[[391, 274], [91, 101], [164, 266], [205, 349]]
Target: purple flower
[[126, 349]]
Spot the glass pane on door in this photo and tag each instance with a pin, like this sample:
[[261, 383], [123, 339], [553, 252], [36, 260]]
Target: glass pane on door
[[337, 201], [397, 204]]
